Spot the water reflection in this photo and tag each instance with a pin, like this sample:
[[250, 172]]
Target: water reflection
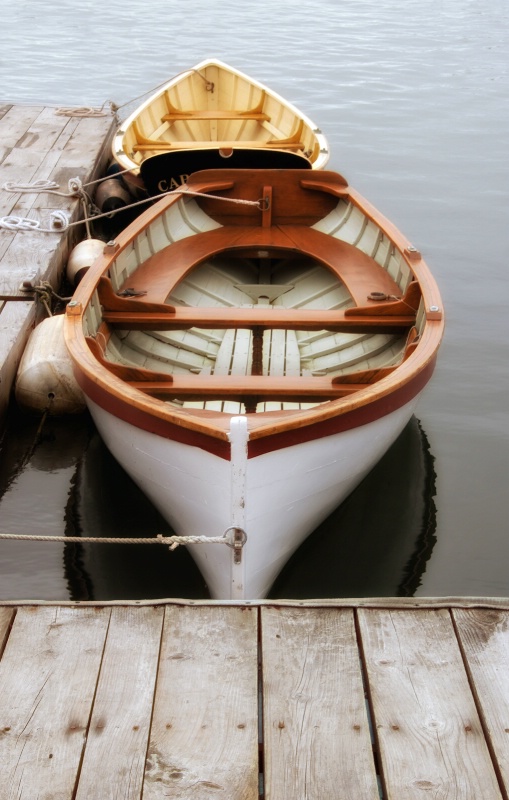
[[377, 543]]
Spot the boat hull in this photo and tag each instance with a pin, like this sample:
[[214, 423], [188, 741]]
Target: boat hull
[[288, 492]]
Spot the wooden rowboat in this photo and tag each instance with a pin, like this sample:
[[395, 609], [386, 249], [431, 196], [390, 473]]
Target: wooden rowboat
[[249, 348], [213, 116]]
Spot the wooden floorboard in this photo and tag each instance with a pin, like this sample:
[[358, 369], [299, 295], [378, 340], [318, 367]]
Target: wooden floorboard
[[428, 730], [144, 701], [316, 729]]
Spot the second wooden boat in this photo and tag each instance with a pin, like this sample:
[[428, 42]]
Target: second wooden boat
[[214, 116], [249, 348]]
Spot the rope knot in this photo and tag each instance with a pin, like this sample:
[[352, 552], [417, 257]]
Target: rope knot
[[59, 220], [75, 186]]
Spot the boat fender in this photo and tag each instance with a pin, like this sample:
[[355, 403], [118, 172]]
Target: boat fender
[[45, 380], [114, 170], [81, 258], [111, 195]]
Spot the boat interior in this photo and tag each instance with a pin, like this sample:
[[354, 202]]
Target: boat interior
[[296, 295], [215, 106]]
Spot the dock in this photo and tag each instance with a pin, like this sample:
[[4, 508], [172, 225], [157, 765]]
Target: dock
[[39, 143], [287, 700]]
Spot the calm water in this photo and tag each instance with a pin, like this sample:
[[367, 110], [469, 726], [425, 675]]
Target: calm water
[[414, 100]]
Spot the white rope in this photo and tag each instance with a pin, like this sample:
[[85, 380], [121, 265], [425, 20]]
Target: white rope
[[36, 186], [185, 190], [171, 541], [75, 187], [60, 220], [82, 111]]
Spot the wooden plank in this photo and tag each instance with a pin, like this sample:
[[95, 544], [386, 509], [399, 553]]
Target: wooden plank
[[6, 618], [15, 123], [316, 732], [15, 321], [48, 675], [155, 146], [204, 739], [271, 317], [429, 733], [236, 387], [114, 761], [216, 115], [484, 637]]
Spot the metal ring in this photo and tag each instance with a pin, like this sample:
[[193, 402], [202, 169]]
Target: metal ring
[[234, 544]]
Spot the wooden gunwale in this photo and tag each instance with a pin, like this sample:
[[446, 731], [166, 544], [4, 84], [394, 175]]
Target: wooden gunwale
[[404, 382]]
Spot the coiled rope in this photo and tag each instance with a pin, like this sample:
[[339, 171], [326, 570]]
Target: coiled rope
[[87, 111]]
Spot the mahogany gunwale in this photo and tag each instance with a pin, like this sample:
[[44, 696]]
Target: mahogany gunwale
[[405, 381]]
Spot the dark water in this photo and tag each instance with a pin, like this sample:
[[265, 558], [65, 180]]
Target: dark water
[[414, 100]]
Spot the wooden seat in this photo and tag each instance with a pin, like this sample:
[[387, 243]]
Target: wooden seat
[[222, 144], [292, 142], [173, 116], [248, 389], [270, 317], [242, 388]]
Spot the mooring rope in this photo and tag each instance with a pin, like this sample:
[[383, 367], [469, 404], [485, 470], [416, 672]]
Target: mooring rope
[[209, 87], [60, 220], [172, 542], [87, 111]]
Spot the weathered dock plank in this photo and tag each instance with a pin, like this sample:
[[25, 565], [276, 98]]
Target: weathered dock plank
[[37, 143], [204, 739], [48, 676], [177, 699], [429, 733], [119, 728], [6, 617], [316, 730], [484, 637]]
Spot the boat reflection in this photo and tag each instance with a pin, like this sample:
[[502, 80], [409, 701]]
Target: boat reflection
[[379, 540]]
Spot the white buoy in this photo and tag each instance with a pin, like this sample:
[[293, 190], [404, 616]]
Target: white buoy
[[81, 258], [45, 379]]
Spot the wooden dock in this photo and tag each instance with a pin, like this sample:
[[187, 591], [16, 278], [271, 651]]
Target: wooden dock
[[38, 143], [363, 699]]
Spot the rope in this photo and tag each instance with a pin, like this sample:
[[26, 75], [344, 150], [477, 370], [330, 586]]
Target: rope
[[60, 220], [74, 187], [171, 541], [209, 87], [185, 190], [87, 111]]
